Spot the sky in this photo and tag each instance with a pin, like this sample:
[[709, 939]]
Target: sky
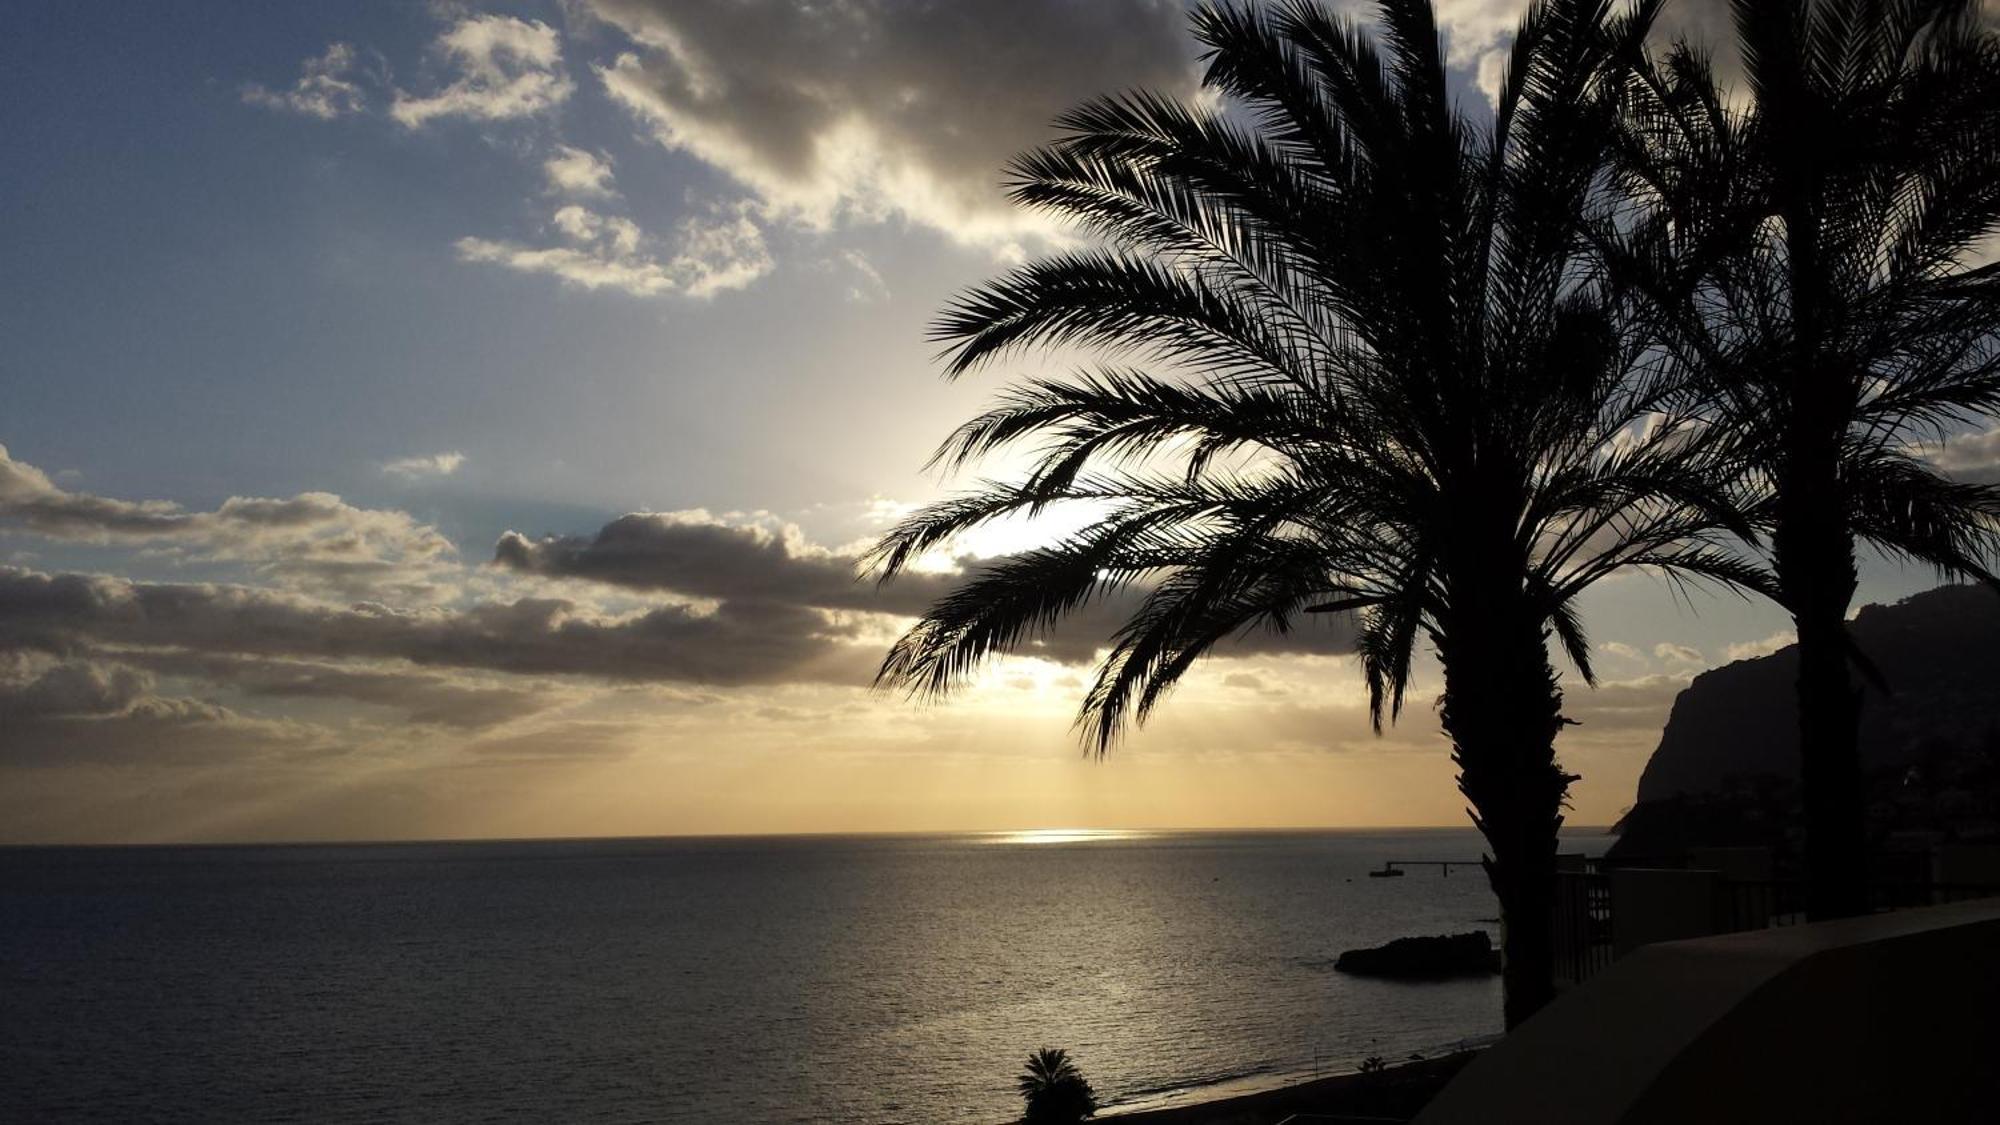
[[463, 420]]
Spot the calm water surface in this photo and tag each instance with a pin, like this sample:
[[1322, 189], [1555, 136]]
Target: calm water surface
[[780, 980]]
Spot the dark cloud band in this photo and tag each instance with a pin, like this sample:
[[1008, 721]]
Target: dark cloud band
[[748, 565], [739, 643]]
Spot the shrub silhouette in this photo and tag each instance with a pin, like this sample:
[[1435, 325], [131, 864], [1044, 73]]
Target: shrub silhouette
[[1055, 1090]]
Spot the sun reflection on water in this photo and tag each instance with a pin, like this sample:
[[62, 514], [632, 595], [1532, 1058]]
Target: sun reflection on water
[[1066, 836]]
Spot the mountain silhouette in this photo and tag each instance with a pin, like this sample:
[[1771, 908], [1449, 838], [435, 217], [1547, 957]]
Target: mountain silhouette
[[1938, 654], [1727, 766]]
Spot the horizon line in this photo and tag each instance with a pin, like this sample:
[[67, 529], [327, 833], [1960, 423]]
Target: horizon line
[[1107, 833]]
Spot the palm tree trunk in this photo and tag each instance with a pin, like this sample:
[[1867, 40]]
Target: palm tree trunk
[[1502, 709], [1815, 564], [1522, 872], [1812, 549]]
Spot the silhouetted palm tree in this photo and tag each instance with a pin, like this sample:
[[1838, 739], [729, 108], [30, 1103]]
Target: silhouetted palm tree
[[1055, 1090], [1808, 254], [1386, 379]]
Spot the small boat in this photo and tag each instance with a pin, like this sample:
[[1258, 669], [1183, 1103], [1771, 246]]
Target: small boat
[[1387, 872]]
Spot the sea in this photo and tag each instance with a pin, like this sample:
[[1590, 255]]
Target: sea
[[779, 979]]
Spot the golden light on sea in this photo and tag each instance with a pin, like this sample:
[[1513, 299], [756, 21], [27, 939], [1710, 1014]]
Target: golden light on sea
[[1066, 836]]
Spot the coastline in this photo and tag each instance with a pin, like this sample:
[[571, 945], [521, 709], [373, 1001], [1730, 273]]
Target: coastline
[[1396, 1091]]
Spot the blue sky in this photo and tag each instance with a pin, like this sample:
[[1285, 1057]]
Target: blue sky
[[307, 305], [208, 293]]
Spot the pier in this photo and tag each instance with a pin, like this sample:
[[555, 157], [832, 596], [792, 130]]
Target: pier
[[1444, 866]]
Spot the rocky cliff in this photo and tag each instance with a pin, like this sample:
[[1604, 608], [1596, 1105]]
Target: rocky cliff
[[1938, 653]]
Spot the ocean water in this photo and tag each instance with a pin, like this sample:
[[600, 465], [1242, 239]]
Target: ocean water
[[848, 979]]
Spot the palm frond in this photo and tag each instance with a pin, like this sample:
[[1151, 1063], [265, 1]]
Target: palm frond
[[1380, 361]]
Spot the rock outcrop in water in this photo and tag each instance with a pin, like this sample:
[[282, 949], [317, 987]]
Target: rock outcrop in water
[[1448, 955]]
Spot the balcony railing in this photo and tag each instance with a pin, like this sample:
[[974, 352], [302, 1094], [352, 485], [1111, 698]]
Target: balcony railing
[[1660, 904]]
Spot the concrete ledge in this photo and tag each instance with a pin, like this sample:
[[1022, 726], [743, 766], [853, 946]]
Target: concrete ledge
[[1893, 1017]]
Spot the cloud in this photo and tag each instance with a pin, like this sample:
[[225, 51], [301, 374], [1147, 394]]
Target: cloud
[[1250, 681], [713, 252], [579, 224], [572, 171], [30, 498], [868, 285], [710, 254], [444, 699], [155, 731], [506, 68], [698, 555], [593, 740], [32, 686], [434, 465], [1679, 656], [859, 110], [1479, 35], [1623, 708], [325, 88], [1750, 650], [78, 700], [737, 643], [729, 604], [313, 540], [68, 710], [1971, 456], [695, 554], [743, 603]]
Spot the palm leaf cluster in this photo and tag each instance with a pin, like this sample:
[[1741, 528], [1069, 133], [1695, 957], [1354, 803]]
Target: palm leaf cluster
[[1810, 254], [1368, 363]]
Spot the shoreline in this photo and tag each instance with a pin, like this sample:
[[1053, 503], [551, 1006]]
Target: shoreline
[[1399, 1091]]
